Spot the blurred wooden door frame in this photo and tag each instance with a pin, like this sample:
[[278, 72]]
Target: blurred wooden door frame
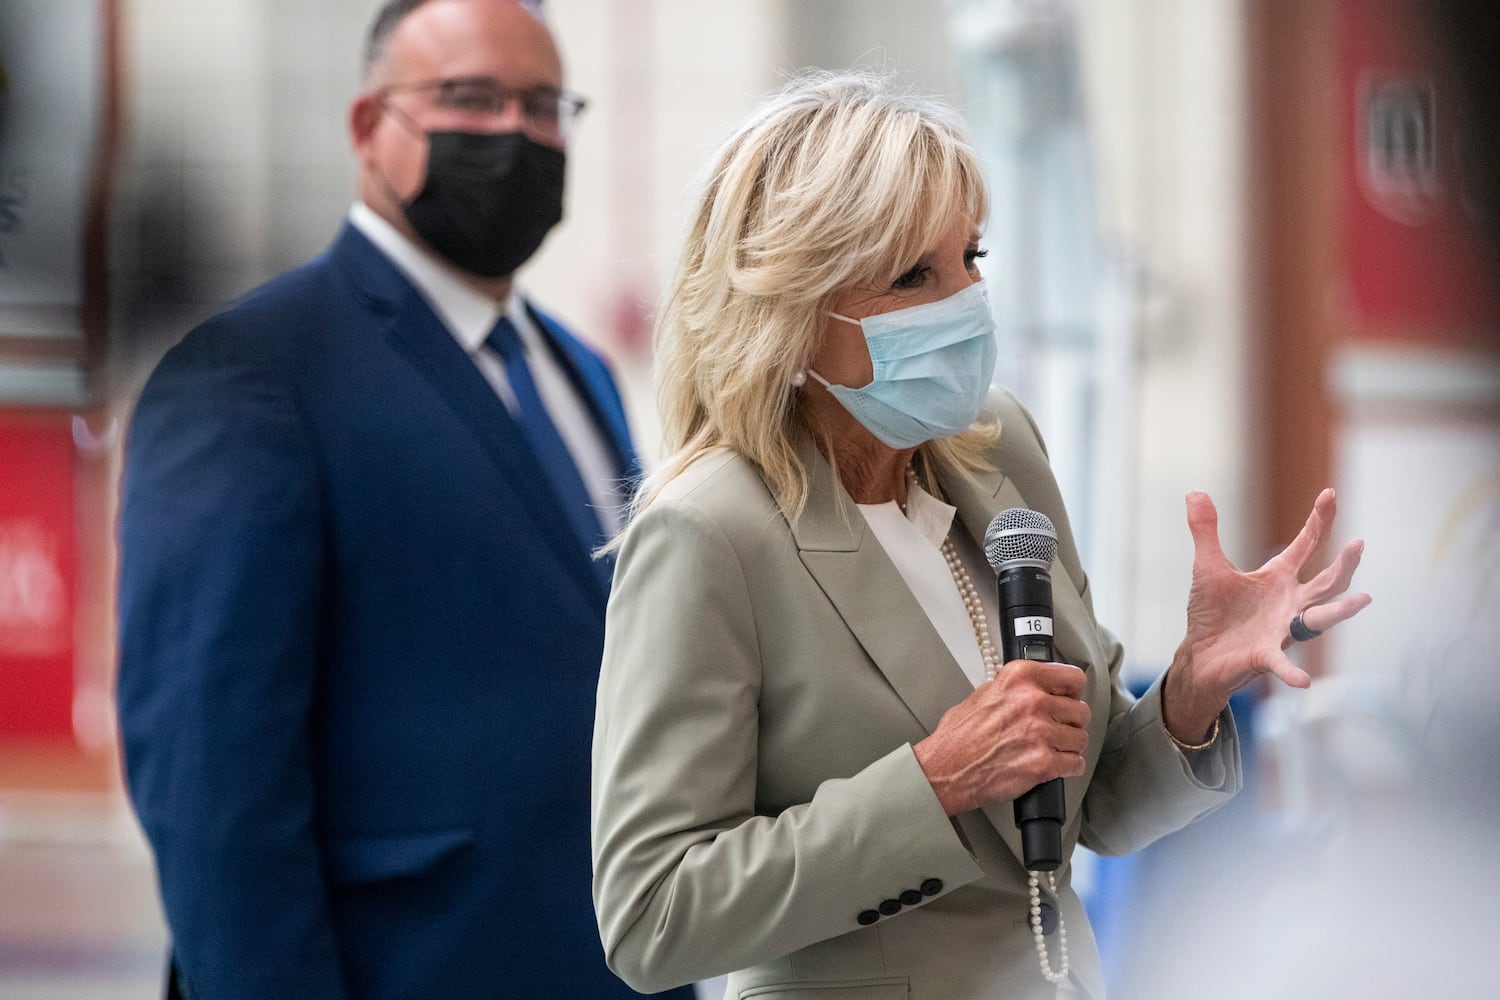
[[1293, 258]]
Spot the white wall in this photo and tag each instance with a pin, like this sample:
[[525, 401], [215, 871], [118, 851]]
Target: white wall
[[1164, 80], [666, 82]]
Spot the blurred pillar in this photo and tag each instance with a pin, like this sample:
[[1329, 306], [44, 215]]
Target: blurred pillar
[[1293, 256]]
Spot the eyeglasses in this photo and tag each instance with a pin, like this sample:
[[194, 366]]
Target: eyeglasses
[[547, 111]]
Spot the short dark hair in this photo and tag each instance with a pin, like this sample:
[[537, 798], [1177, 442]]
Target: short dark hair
[[392, 12]]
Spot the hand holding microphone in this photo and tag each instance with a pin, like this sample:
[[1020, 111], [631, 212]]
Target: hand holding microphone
[[1020, 545], [1027, 727]]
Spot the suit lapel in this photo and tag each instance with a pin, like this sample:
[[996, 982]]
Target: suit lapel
[[584, 372], [978, 497], [416, 333], [848, 563]]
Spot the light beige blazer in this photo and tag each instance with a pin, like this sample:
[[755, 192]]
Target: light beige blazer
[[755, 790]]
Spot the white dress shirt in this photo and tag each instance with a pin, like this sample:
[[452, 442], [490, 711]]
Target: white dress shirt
[[470, 316]]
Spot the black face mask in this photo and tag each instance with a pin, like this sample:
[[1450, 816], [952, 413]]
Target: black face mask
[[489, 200]]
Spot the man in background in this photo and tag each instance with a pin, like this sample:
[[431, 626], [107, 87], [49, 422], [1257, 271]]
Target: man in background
[[360, 620]]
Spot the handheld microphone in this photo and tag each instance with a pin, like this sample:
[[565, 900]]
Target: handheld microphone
[[1020, 545]]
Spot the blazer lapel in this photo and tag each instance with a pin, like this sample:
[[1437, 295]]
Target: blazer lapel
[[843, 556], [979, 496], [415, 332]]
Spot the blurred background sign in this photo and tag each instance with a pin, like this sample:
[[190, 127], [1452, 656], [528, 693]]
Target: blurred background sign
[[37, 575], [1417, 271]]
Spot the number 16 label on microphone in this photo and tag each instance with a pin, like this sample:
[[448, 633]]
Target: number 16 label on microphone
[[1032, 625]]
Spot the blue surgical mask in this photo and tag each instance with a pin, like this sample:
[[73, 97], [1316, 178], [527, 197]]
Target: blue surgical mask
[[933, 364]]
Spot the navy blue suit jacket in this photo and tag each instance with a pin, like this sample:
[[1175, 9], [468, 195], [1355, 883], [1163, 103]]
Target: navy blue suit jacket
[[358, 655]]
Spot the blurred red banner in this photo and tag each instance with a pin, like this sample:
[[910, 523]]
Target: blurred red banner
[[38, 570], [1415, 262]]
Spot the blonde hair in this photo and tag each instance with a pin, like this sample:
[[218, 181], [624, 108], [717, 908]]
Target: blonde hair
[[838, 180]]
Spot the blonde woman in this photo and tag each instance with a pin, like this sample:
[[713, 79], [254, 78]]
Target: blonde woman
[[805, 750]]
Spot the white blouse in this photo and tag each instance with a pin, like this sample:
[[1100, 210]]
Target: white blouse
[[914, 541]]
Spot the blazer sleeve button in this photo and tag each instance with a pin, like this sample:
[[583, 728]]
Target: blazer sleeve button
[[932, 886], [890, 907], [910, 897], [867, 918]]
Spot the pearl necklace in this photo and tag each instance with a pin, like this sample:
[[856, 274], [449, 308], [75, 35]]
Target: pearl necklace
[[1033, 888], [992, 664], [977, 621]]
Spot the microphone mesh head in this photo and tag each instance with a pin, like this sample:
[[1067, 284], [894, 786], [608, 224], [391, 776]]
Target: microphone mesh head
[[1021, 536]]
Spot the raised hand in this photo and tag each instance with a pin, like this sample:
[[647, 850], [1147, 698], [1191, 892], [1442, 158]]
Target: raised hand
[[1238, 624]]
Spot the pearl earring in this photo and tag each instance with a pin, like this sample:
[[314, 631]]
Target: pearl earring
[[798, 378]]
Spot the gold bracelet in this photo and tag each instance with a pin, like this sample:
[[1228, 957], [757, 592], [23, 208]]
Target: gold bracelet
[[1212, 737]]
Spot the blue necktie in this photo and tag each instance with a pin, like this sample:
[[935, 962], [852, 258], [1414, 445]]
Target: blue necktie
[[541, 433]]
